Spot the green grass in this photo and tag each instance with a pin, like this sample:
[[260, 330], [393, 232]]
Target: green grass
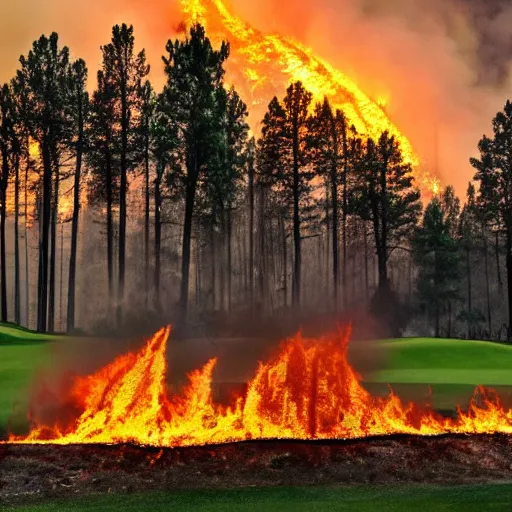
[[495, 498], [430, 361], [444, 371], [22, 352]]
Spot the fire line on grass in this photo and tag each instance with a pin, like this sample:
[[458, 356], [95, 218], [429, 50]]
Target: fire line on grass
[[308, 391]]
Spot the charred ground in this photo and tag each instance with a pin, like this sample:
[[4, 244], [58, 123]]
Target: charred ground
[[36, 473]]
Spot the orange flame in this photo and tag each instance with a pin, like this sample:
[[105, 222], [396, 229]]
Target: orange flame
[[309, 391], [268, 62]]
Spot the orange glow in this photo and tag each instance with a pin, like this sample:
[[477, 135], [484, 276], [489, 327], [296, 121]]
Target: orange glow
[[66, 200], [308, 391], [265, 64]]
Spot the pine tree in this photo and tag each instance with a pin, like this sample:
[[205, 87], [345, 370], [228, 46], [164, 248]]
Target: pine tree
[[125, 72], [103, 135], [193, 90], [450, 204], [251, 164], [436, 255], [330, 143], [272, 158], [164, 144], [297, 173], [494, 174], [9, 152], [43, 80], [147, 110], [78, 112], [384, 195], [468, 235]]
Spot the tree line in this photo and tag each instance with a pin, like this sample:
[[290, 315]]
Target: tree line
[[309, 217]]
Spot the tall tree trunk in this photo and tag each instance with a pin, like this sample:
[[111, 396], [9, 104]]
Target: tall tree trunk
[[262, 251], [27, 272], [230, 257], [146, 213], [326, 253], [110, 226], [498, 262], [366, 264], [123, 190], [382, 253], [296, 295], [470, 298], [74, 223], [344, 213], [449, 319], [437, 308], [42, 281], [53, 253], [285, 260], [509, 282], [158, 237], [187, 237], [222, 259], [487, 283], [251, 238], [198, 266], [61, 283], [17, 270], [3, 212], [213, 249], [335, 221]]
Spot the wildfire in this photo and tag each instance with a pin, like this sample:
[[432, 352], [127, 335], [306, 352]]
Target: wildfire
[[268, 62], [308, 391]]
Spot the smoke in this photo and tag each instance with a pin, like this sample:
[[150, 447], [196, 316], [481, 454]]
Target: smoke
[[84, 27], [443, 66]]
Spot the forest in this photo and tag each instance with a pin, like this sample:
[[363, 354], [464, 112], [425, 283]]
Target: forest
[[124, 206]]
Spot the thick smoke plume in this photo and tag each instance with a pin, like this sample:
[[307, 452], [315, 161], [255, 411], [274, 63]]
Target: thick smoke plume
[[443, 66]]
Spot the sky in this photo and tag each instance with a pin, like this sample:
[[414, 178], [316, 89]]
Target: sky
[[443, 64]]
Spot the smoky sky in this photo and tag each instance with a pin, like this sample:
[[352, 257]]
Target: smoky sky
[[86, 25], [445, 65]]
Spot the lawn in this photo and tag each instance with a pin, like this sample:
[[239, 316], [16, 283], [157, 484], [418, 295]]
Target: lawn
[[496, 498], [448, 369], [21, 353], [443, 371]]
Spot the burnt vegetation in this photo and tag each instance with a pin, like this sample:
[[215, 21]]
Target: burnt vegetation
[[131, 206]]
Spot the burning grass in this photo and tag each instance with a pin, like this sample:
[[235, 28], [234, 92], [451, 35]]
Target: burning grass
[[307, 391]]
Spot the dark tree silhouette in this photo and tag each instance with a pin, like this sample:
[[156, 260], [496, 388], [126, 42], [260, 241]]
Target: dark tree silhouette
[[384, 195], [43, 79], [9, 152], [78, 112], [125, 72], [194, 81], [437, 257], [494, 175]]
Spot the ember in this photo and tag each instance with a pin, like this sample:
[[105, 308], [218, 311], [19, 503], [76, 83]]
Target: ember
[[308, 391]]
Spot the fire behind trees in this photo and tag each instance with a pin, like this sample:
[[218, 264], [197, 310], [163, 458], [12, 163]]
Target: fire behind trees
[[197, 216]]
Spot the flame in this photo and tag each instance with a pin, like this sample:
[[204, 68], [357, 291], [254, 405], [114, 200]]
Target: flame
[[66, 199], [268, 62], [308, 391]]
